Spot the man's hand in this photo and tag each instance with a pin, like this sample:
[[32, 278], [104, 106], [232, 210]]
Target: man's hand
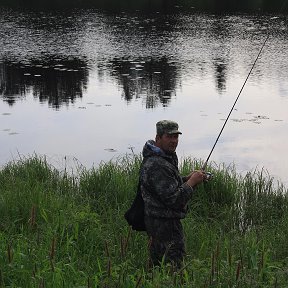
[[196, 177]]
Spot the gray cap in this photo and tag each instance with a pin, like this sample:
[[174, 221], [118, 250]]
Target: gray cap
[[167, 126]]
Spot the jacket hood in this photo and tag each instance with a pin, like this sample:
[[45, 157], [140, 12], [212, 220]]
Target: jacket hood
[[150, 149]]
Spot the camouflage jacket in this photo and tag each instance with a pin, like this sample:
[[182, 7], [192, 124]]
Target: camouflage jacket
[[163, 189]]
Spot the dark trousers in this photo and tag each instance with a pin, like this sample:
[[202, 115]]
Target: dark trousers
[[166, 240]]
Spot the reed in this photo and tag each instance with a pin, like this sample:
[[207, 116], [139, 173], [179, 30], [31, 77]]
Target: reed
[[61, 230]]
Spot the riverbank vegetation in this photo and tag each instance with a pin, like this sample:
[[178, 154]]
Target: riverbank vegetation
[[158, 5], [68, 230]]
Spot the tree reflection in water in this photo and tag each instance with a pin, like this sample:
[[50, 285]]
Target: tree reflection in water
[[154, 80], [53, 80]]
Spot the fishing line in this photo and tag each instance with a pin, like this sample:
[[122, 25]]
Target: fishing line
[[231, 110], [227, 118]]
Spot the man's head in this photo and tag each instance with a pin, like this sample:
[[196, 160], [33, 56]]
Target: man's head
[[167, 127], [167, 134]]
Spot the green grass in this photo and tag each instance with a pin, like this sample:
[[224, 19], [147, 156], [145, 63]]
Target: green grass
[[60, 230]]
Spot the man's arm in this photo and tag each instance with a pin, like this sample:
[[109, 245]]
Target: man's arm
[[163, 182]]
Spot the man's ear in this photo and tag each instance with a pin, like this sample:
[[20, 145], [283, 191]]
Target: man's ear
[[157, 138]]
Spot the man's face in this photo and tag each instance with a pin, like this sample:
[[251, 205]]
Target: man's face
[[167, 142]]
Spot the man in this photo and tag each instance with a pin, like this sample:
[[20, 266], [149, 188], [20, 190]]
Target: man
[[166, 194]]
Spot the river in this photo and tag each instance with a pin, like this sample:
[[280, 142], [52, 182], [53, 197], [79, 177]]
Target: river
[[84, 86]]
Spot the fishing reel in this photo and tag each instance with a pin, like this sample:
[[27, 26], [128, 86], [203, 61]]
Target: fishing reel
[[209, 176]]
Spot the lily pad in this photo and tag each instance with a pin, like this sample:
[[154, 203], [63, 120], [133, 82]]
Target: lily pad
[[261, 117], [238, 120], [110, 150]]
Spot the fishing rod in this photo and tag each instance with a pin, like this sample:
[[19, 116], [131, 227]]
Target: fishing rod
[[227, 118], [231, 110]]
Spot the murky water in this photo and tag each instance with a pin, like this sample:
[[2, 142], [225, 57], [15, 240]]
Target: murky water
[[90, 86]]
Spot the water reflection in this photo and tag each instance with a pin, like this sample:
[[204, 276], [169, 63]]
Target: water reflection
[[53, 80], [145, 58], [147, 55], [222, 30], [220, 74], [154, 80]]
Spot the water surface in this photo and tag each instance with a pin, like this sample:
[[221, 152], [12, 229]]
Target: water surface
[[90, 85]]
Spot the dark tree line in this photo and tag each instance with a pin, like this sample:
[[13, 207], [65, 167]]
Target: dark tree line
[[159, 5]]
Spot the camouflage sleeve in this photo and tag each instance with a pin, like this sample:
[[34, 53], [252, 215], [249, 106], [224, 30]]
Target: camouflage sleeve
[[164, 182], [185, 178]]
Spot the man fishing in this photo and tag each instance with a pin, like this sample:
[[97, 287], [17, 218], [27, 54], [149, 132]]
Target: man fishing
[[166, 194]]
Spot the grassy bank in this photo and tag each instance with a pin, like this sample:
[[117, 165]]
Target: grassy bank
[[60, 230]]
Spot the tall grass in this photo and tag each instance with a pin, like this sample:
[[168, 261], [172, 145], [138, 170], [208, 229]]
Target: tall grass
[[60, 230]]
